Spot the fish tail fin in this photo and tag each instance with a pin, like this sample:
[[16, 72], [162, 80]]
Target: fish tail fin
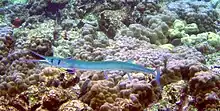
[[158, 73]]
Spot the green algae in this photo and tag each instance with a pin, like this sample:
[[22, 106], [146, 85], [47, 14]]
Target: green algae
[[181, 29], [2, 19], [167, 46], [212, 59], [18, 1], [214, 39], [210, 38]]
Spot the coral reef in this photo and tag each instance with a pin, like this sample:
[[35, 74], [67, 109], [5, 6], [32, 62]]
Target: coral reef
[[105, 94], [7, 45], [90, 44], [213, 59], [15, 15], [181, 29], [42, 98], [204, 42], [198, 12], [204, 89], [37, 39], [138, 90], [121, 104], [16, 75], [171, 95], [5, 30], [155, 28], [74, 105], [55, 77], [177, 69]]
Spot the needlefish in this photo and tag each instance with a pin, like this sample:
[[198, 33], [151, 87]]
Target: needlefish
[[72, 64]]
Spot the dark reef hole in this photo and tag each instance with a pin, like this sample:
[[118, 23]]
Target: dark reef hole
[[35, 107], [54, 7]]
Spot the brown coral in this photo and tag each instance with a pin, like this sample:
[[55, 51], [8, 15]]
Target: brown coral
[[16, 74], [53, 99], [204, 89], [107, 95], [37, 98], [139, 91], [7, 45], [181, 70], [121, 104], [57, 77], [41, 45], [100, 92], [74, 105]]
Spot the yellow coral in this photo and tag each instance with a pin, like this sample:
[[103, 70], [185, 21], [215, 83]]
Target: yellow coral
[[167, 46]]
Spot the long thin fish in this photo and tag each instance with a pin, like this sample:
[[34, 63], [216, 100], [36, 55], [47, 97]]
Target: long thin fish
[[97, 65]]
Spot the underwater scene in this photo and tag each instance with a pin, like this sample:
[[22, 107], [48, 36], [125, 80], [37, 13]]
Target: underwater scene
[[109, 55]]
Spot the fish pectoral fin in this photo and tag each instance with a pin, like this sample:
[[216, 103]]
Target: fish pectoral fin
[[129, 77], [106, 75], [71, 71]]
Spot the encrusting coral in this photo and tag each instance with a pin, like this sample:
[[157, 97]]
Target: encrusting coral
[[49, 94], [57, 77], [104, 93], [204, 88], [155, 32]]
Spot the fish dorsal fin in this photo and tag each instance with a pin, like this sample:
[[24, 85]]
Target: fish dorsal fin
[[131, 61], [69, 58]]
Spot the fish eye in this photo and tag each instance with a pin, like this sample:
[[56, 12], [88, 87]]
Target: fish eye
[[51, 60], [59, 61]]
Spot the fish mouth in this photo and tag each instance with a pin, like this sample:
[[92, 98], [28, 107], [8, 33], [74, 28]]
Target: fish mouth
[[39, 56]]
